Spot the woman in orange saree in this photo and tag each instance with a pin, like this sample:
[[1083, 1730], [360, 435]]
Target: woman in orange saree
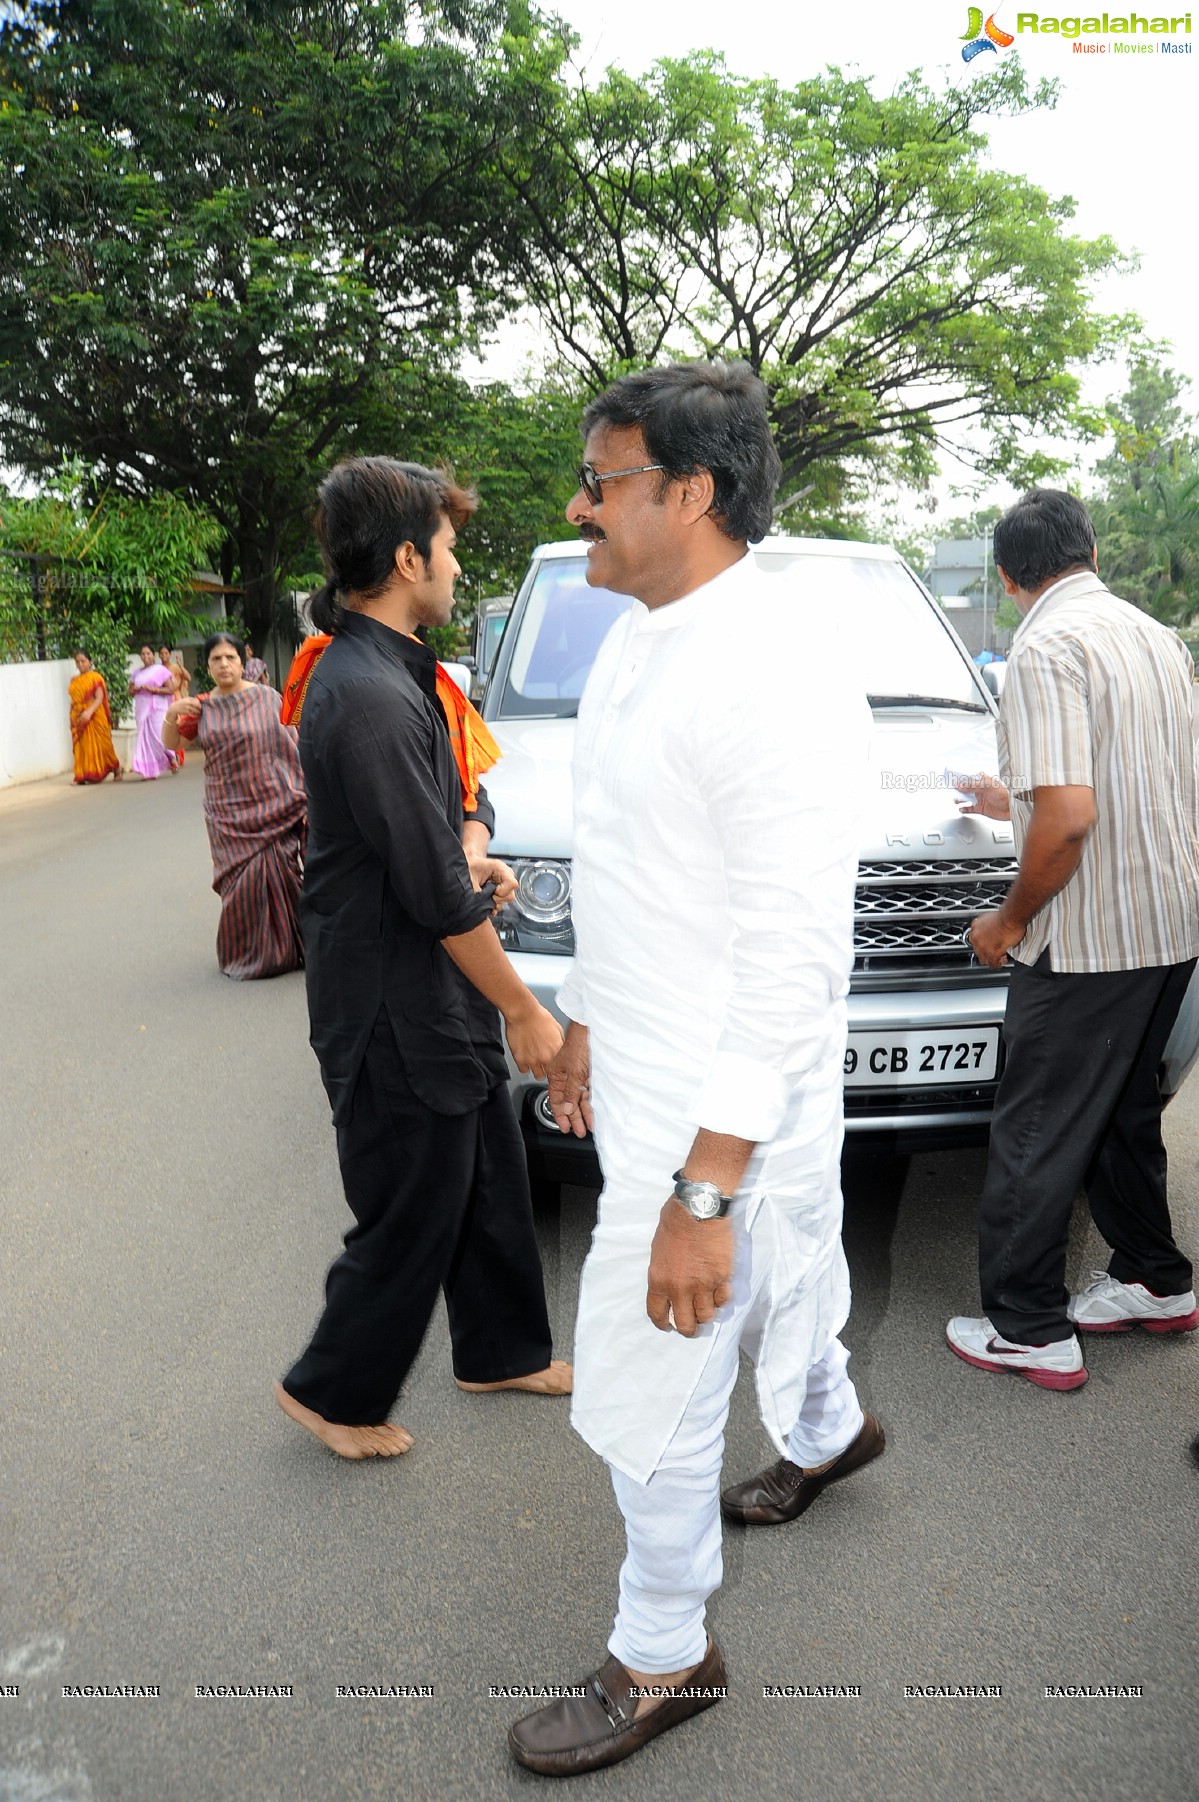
[[91, 725]]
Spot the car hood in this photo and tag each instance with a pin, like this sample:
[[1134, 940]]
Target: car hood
[[911, 811], [912, 807], [530, 787]]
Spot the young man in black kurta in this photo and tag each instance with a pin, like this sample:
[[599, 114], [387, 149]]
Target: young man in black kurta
[[404, 977]]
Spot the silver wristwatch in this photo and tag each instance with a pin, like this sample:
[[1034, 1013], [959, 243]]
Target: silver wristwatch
[[703, 1201]]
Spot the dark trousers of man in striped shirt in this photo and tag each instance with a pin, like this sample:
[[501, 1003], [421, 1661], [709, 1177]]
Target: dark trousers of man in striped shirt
[[1079, 1107]]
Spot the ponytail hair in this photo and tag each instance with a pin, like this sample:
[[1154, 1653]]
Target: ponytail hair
[[324, 609]]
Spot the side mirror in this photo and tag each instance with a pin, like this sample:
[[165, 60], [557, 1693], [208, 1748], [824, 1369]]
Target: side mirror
[[990, 675]]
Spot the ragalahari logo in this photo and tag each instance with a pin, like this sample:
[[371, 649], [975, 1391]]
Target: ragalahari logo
[[983, 37]]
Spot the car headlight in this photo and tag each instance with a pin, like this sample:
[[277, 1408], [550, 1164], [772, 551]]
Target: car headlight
[[543, 891], [538, 916]]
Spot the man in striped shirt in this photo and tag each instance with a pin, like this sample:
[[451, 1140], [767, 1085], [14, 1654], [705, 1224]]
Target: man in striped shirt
[[1098, 775]]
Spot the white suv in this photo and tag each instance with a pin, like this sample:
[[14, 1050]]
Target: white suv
[[925, 1050]]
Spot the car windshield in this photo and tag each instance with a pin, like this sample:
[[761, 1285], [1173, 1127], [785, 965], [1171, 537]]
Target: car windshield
[[906, 655]]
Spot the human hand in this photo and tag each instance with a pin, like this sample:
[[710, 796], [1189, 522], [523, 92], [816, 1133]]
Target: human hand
[[570, 1083], [992, 936], [492, 869], [534, 1037], [990, 797], [690, 1270]]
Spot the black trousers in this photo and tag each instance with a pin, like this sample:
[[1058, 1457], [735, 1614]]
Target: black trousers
[[440, 1201], [1079, 1106]]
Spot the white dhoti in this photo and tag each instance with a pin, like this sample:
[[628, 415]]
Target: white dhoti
[[673, 1523], [654, 1404]]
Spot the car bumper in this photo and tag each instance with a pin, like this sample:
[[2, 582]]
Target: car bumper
[[925, 1117], [889, 1116]]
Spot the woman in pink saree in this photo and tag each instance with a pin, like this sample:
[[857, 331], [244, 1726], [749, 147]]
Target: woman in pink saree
[[152, 689]]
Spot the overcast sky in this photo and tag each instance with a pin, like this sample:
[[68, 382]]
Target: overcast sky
[[1122, 139]]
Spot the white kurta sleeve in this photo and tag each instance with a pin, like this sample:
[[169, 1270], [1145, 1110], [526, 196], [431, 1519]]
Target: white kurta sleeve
[[783, 782], [570, 997]]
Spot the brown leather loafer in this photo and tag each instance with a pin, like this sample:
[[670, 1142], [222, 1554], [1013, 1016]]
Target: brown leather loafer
[[597, 1727], [783, 1492]]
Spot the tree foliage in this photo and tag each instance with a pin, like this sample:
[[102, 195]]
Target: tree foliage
[[898, 295], [521, 453], [97, 571], [241, 239], [1146, 510], [224, 228]]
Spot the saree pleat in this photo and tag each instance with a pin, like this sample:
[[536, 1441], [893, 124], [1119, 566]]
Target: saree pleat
[[256, 814]]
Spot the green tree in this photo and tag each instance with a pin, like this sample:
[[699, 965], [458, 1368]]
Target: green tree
[[898, 295], [227, 232], [1149, 541], [1148, 423], [1146, 509], [97, 570]]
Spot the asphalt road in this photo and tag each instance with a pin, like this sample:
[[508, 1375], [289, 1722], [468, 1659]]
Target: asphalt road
[[170, 1204]]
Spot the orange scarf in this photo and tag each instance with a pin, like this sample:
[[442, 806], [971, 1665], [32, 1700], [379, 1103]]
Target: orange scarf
[[475, 750]]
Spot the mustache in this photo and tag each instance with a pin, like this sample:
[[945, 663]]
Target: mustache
[[592, 533]]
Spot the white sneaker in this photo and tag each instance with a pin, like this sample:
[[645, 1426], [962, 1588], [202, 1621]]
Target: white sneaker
[[1106, 1306], [1056, 1366]]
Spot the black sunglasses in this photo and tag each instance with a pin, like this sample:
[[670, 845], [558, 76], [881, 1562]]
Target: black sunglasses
[[590, 479]]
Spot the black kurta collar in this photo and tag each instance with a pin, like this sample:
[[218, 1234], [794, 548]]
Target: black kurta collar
[[417, 658]]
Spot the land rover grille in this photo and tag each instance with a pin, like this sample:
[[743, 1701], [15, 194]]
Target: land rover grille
[[913, 915]]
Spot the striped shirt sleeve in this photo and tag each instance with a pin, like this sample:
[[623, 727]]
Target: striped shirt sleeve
[[1046, 724]]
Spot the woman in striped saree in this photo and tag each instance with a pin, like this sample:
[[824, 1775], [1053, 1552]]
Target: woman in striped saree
[[255, 811], [91, 725]]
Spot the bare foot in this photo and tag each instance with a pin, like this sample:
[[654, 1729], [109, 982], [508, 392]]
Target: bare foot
[[558, 1378], [348, 1442]]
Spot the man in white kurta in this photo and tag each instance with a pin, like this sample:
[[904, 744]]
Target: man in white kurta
[[719, 769]]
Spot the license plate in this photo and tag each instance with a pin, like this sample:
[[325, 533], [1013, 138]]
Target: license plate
[[921, 1060]]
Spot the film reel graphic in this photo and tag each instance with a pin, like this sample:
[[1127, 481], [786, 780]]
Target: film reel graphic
[[983, 36]]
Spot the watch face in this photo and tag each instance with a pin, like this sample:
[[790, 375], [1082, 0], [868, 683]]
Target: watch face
[[700, 1202]]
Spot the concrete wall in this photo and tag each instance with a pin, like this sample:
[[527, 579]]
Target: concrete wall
[[35, 734]]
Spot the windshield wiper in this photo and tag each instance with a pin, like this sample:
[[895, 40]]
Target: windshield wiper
[[926, 701]]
